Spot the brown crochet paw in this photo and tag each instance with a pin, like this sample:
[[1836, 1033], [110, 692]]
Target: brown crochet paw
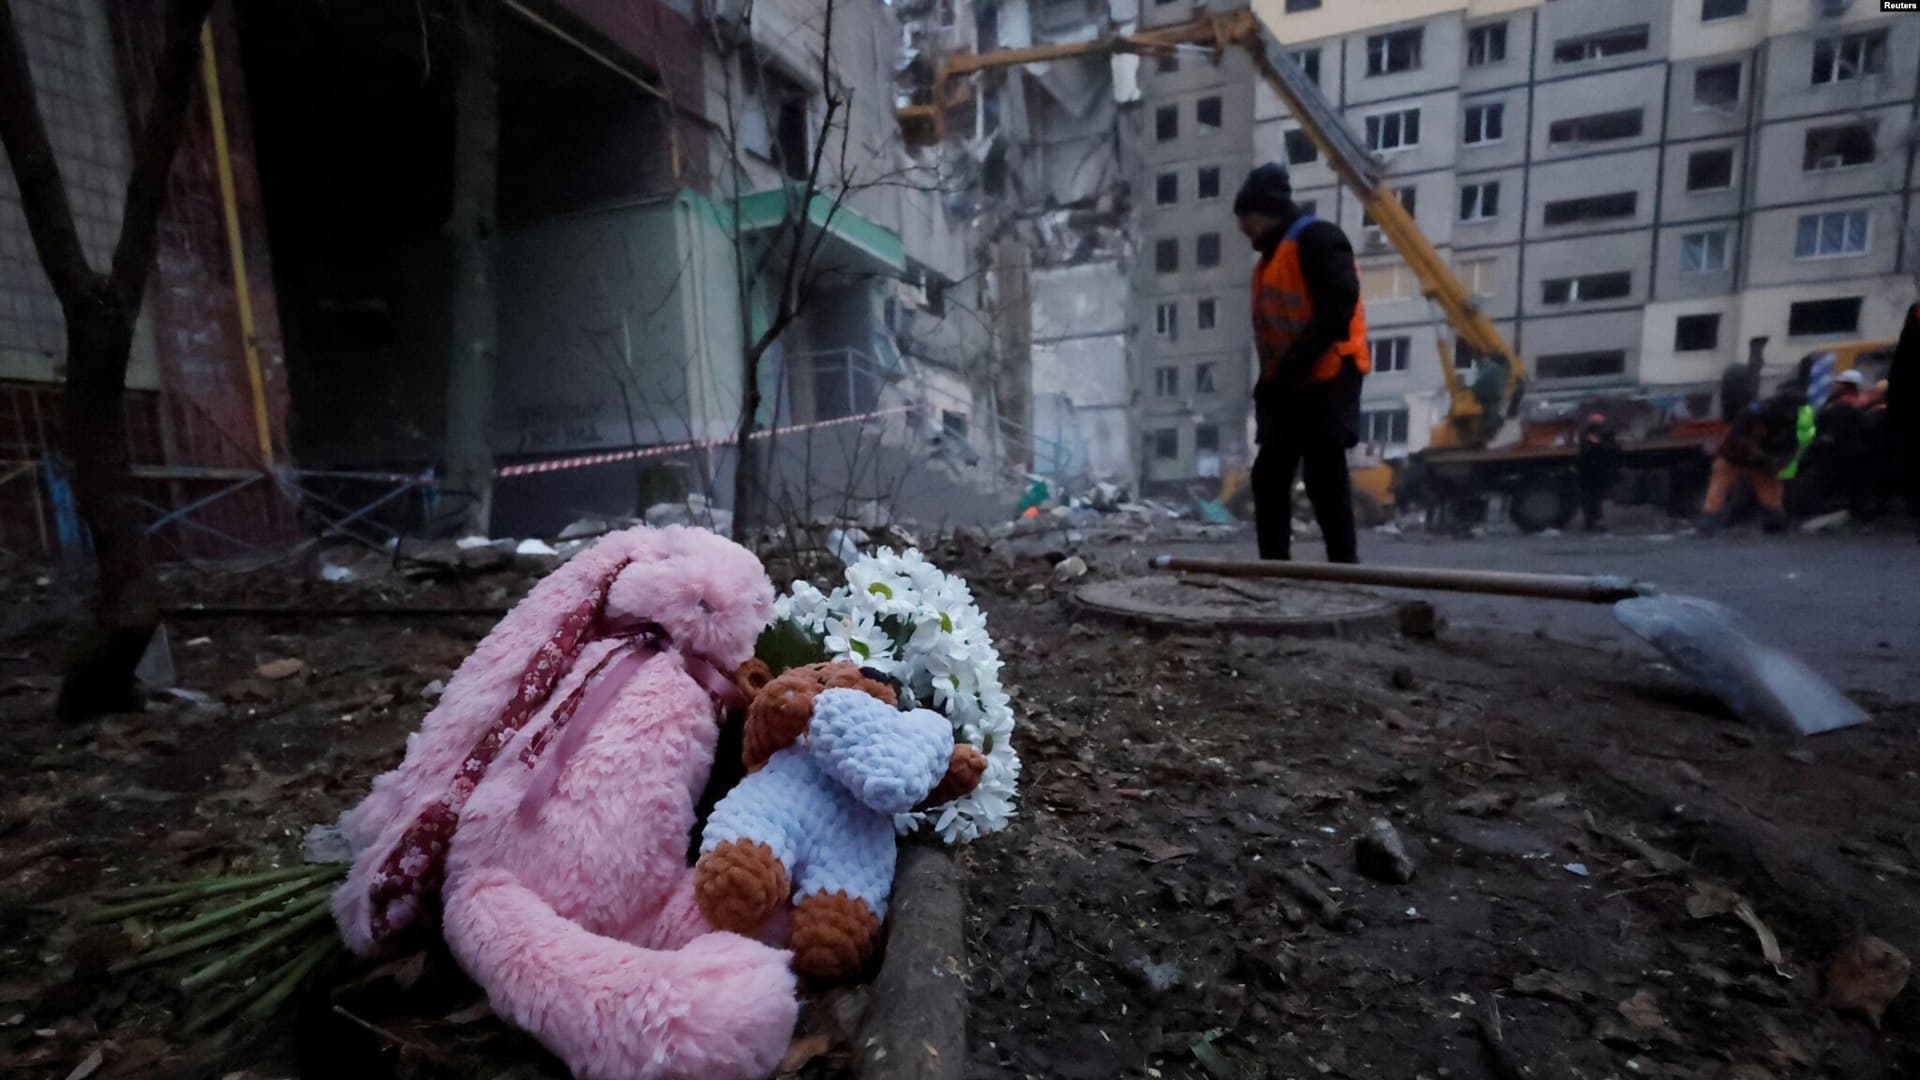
[[965, 766], [783, 707], [739, 885], [834, 935], [752, 677]]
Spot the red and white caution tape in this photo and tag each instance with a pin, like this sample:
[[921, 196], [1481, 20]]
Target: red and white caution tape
[[531, 468]]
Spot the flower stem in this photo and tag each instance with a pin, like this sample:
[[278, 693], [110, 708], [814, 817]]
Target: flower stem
[[227, 914], [240, 956], [177, 893], [287, 978], [217, 935]]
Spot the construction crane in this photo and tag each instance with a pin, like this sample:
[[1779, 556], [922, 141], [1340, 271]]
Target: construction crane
[[1465, 424]]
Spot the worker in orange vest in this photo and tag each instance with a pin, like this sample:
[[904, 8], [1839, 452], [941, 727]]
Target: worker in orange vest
[[1310, 332]]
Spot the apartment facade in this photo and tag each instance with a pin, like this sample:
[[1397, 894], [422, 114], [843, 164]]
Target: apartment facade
[[1633, 188]]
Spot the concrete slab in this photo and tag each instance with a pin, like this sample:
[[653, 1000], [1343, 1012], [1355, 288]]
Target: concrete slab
[[1201, 603]]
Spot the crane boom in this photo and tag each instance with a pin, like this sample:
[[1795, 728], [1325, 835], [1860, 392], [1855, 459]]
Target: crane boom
[[1357, 167]]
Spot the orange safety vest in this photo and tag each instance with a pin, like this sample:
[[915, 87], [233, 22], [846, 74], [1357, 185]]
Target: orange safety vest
[[1282, 306]]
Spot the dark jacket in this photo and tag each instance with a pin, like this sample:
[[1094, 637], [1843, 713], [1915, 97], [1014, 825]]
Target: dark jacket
[[1903, 379], [1764, 435], [1289, 401]]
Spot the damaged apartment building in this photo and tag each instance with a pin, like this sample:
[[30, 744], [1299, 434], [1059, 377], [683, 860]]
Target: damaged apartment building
[[1115, 172], [626, 174]]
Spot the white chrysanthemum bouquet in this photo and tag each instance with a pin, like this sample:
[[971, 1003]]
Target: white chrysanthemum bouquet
[[902, 615]]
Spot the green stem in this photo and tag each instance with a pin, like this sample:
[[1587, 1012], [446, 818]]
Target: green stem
[[264, 877], [218, 935], [240, 956], [288, 977], [198, 890], [305, 889], [219, 1009]]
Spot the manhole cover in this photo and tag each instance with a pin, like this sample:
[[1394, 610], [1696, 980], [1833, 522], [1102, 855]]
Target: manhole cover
[[1202, 602]]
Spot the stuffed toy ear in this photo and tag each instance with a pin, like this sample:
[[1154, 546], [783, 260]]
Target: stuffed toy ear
[[888, 759], [783, 707]]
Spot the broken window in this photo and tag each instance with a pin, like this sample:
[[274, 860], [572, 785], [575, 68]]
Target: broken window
[[1849, 57], [775, 120], [1626, 39], [1206, 314], [1206, 250], [1834, 235], [1166, 256], [1300, 148], [953, 424], [1582, 365], [1166, 189], [1166, 444], [1207, 115], [1592, 208], [1302, 5], [1384, 427], [1721, 9], [1308, 60], [1809, 317], [1166, 123], [1486, 44], [1717, 86], [1390, 353], [1587, 288], [1838, 147], [1207, 182], [1166, 321], [1710, 170], [1394, 52], [1480, 202], [1203, 384], [1394, 130], [1600, 127], [1166, 381], [1206, 437], [1696, 333], [1703, 252], [1486, 123]]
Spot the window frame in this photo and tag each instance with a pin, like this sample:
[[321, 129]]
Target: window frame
[[1707, 16], [1486, 209], [1583, 204], [1380, 62], [1166, 380], [1870, 128], [1806, 307], [1390, 353], [1580, 123], [1739, 85], [1497, 110], [1166, 443], [1201, 242], [1375, 124], [1200, 124], [1820, 220], [1166, 123], [1206, 315], [1543, 363], [1164, 244], [1710, 241], [1203, 380], [1166, 320], [1594, 46], [1199, 183], [1699, 318], [1872, 61], [1160, 183], [1307, 60], [1294, 138], [1490, 39], [1593, 283]]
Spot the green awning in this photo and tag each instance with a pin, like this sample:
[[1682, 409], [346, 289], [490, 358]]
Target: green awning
[[854, 241]]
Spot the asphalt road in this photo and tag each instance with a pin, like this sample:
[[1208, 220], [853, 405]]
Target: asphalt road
[[1849, 605]]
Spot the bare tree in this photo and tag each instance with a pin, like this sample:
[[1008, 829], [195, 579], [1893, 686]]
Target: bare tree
[[100, 311]]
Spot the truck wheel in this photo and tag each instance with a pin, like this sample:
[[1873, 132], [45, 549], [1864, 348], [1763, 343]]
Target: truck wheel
[[1543, 503]]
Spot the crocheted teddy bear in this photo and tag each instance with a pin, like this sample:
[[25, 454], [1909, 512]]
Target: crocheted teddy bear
[[833, 758]]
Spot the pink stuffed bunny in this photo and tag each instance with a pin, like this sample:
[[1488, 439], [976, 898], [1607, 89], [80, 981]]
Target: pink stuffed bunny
[[546, 804]]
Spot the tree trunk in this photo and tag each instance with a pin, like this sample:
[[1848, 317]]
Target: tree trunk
[[472, 238], [746, 467], [99, 675]]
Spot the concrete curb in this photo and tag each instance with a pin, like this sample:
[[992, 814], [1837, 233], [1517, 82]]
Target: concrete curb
[[916, 1026]]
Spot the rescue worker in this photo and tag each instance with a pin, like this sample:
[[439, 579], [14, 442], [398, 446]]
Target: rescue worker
[[1760, 443], [1598, 466], [1310, 333]]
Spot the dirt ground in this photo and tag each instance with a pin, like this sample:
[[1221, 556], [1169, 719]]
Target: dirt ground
[[1181, 875]]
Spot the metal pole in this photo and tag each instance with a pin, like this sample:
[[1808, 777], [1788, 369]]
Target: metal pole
[[1591, 590]]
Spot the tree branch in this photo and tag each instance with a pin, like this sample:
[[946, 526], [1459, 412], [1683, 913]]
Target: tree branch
[[43, 196], [160, 137]]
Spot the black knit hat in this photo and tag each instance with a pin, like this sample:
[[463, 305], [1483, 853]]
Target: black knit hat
[[1268, 190]]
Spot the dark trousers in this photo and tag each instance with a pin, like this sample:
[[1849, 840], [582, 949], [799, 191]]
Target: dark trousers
[[1328, 488]]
